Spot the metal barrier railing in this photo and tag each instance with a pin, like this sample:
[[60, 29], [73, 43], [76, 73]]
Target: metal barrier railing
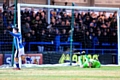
[[65, 43], [52, 43]]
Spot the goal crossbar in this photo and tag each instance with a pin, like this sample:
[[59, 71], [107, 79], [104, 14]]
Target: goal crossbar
[[71, 7]]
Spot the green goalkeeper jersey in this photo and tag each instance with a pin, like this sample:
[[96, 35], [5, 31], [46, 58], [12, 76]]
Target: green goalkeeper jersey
[[94, 63]]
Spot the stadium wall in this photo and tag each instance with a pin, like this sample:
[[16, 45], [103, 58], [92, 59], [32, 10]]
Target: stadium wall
[[57, 58], [107, 3], [103, 3], [30, 1], [29, 58]]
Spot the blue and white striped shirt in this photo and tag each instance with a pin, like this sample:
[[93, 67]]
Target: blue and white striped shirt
[[17, 40]]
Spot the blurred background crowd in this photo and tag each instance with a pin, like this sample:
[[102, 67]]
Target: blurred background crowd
[[90, 28]]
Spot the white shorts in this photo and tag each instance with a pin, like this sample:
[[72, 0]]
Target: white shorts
[[20, 52]]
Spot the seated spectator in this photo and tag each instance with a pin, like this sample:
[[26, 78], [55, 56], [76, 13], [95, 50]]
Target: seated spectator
[[87, 21], [33, 36], [5, 5], [67, 23], [99, 36], [64, 36], [113, 38], [104, 37], [94, 39], [42, 37], [88, 40], [57, 39], [26, 28], [113, 24], [28, 37]]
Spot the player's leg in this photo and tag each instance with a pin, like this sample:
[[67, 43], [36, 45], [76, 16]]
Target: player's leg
[[20, 61], [86, 64], [16, 60], [80, 61], [98, 64], [21, 56]]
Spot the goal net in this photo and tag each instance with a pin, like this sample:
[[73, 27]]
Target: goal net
[[59, 32]]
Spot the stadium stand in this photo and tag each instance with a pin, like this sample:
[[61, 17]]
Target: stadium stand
[[93, 31]]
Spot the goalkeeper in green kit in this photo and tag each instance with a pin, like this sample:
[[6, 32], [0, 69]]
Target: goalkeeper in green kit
[[89, 63]]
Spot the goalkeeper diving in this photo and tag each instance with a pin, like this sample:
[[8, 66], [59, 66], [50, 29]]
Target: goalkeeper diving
[[89, 63]]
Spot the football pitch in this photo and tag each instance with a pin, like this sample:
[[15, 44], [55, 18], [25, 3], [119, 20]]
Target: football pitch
[[62, 73]]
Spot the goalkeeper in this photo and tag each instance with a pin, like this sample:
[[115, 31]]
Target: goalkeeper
[[89, 63]]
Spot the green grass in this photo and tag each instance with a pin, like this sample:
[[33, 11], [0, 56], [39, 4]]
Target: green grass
[[62, 73]]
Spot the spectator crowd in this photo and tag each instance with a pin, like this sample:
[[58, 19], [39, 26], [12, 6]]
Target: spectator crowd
[[89, 27]]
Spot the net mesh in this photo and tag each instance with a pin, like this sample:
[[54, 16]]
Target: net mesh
[[95, 32]]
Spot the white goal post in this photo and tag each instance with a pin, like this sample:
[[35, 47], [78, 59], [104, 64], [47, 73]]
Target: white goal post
[[19, 5]]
